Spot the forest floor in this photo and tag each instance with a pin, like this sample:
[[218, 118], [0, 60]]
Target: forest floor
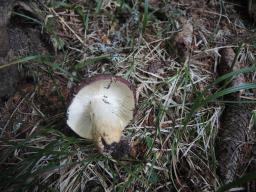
[[169, 50]]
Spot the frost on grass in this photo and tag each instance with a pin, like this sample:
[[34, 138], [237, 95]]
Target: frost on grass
[[174, 142]]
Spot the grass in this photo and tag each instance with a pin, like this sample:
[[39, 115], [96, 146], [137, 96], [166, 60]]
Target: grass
[[179, 103]]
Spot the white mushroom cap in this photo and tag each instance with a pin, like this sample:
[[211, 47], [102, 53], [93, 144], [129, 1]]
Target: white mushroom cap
[[102, 109]]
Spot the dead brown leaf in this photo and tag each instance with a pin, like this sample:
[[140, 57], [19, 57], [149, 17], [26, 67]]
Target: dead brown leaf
[[183, 41]]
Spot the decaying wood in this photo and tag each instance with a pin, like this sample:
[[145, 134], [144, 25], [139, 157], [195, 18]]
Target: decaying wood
[[233, 135], [234, 132]]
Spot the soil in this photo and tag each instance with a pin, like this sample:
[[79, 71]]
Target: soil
[[18, 82], [17, 40], [8, 81]]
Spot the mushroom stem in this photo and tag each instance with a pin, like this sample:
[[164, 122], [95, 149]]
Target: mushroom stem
[[106, 124]]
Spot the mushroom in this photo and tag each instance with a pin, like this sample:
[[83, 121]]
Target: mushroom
[[101, 109]]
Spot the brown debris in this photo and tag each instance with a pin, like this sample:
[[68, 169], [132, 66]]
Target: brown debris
[[117, 150], [183, 40], [138, 149], [155, 67]]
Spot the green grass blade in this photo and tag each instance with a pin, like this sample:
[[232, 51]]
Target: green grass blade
[[22, 60], [232, 74], [201, 100], [230, 90], [99, 5], [91, 61], [27, 17], [145, 16]]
